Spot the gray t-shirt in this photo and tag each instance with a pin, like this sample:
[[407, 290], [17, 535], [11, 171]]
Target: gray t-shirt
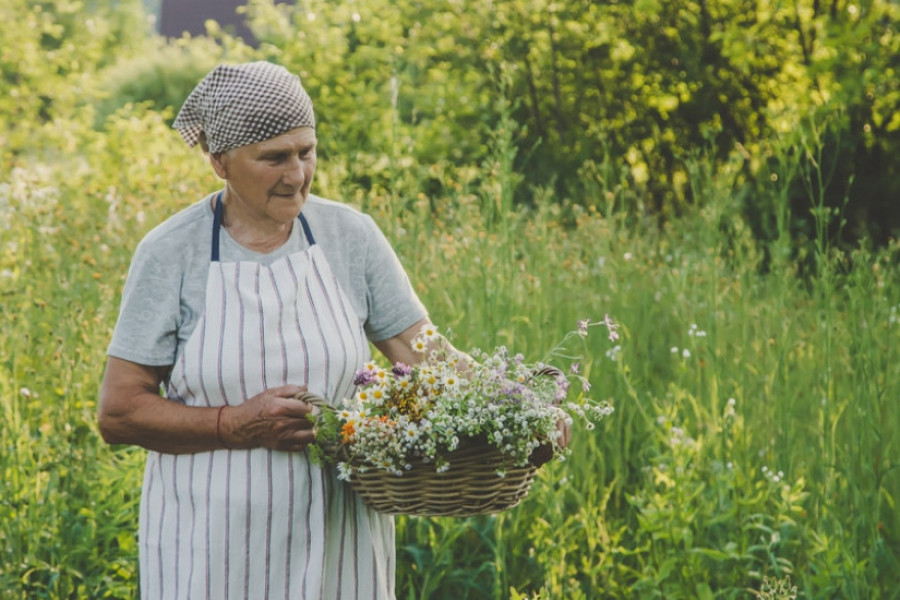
[[165, 293]]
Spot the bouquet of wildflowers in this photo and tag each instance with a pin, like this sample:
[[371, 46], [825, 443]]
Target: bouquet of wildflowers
[[423, 413]]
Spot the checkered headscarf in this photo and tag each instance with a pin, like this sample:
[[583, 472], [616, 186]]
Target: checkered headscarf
[[237, 105]]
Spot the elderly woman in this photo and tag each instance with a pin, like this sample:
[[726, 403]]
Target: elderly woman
[[237, 306]]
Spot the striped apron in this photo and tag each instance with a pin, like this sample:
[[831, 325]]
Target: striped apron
[[263, 524]]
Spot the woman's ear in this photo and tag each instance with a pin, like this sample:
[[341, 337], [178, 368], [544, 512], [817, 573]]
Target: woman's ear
[[219, 165], [214, 159]]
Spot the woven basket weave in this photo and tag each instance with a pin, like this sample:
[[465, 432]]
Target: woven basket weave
[[469, 487]]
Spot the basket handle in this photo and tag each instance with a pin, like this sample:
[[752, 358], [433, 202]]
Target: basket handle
[[544, 453]]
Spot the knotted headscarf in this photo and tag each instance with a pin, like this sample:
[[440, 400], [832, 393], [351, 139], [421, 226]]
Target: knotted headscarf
[[237, 105]]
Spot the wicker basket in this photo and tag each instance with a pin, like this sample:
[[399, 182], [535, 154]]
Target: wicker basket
[[469, 487]]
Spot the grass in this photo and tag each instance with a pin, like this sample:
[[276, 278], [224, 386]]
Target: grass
[[755, 435]]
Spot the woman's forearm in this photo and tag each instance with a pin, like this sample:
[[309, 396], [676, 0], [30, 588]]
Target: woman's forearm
[[131, 411]]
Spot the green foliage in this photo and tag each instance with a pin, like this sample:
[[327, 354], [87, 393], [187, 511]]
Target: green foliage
[[50, 50], [648, 82], [161, 76]]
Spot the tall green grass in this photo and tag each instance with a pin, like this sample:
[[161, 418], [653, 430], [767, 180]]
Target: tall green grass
[[755, 433]]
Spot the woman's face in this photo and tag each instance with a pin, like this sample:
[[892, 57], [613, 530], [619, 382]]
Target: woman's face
[[268, 181]]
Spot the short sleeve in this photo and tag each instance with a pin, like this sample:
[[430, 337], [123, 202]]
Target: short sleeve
[[393, 305], [147, 328]]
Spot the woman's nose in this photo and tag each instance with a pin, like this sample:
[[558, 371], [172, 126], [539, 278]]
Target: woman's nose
[[294, 172]]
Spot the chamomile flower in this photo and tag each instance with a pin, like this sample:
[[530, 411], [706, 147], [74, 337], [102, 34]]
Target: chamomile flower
[[429, 332], [411, 431], [419, 345], [451, 382]]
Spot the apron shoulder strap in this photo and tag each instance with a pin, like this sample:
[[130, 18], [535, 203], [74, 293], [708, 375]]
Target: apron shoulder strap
[[217, 226], [306, 230]]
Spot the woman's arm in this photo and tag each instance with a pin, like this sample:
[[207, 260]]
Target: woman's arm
[[131, 411], [399, 348]]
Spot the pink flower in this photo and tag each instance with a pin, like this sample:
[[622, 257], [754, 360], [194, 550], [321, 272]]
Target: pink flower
[[583, 327], [611, 327]]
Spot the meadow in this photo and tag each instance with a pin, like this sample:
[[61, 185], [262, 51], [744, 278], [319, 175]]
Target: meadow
[[753, 451]]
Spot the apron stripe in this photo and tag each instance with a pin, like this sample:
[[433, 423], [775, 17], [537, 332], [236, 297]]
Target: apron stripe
[[290, 532], [219, 344], [162, 522], [304, 351], [247, 539], [261, 315], [227, 523], [209, 514], [309, 528], [332, 318], [241, 348], [282, 342], [191, 554], [178, 526]]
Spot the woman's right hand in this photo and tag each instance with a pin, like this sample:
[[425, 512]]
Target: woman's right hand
[[277, 418]]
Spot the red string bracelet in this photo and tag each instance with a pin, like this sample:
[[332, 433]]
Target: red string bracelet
[[218, 426]]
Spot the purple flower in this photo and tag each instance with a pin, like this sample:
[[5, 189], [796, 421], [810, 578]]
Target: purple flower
[[401, 370], [575, 369], [364, 377], [585, 385]]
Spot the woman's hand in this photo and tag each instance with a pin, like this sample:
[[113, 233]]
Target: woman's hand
[[544, 452], [277, 418]]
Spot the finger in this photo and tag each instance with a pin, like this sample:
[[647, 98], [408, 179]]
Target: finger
[[298, 442], [288, 391], [299, 409]]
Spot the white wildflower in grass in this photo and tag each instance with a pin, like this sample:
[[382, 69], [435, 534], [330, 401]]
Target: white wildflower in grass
[[425, 412], [729, 409]]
